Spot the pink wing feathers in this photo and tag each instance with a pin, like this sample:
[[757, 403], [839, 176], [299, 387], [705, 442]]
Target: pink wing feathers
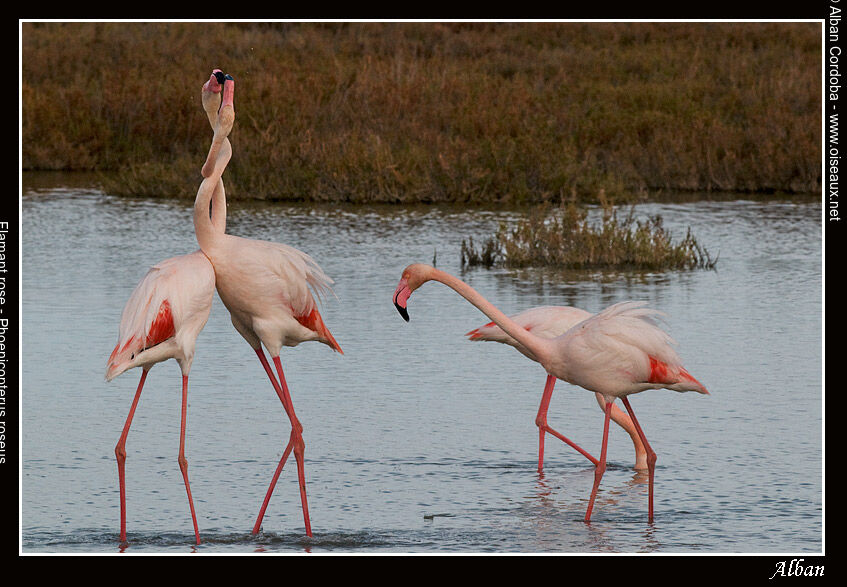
[[304, 280], [157, 305], [147, 320], [626, 337]]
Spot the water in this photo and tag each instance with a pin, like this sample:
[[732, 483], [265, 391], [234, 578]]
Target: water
[[416, 439]]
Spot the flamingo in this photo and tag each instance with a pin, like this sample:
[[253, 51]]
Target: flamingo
[[550, 322], [269, 290], [617, 352], [162, 319]]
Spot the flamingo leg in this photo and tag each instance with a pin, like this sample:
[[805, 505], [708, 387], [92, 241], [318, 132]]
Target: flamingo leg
[[541, 422], [120, 453], [601, 466], [651, 458], [295, 443], [289, 409], [183, 463], [625, 422], [299, 449], [270, 491]]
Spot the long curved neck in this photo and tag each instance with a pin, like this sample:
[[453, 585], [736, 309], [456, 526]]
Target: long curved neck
[[208, 227], [204, 230], [219, 207], [540, 347]]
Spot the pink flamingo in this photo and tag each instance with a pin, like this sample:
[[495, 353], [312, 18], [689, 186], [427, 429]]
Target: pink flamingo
[[162, 319], [617, 352], [550, 322], [268, 289]]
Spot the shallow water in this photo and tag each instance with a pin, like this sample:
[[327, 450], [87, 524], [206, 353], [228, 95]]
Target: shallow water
[[416, 439]]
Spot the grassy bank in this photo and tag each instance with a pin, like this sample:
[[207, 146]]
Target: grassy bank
[[431, 112]]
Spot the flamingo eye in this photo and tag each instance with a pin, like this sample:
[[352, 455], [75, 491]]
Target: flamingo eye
[[132, 356]]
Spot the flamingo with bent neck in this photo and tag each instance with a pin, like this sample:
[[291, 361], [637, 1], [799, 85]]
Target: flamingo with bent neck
[[617, 352], [268, 288]]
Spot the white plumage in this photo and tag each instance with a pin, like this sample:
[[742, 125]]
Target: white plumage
[[620, 351], [549, 322]]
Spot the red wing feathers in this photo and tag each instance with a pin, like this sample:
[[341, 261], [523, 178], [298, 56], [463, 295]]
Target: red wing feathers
[[162, 327], [315, 323], [662, 373]]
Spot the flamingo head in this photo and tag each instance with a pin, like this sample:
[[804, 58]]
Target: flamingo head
[[216, 82], [122, 359], [413, 277], [211, 94]]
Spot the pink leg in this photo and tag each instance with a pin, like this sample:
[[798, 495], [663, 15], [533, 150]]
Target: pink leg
[[289, 409], [651, 458], [120, 453], [183, 464], [295, 442], [541, 422], [299, 449], [284, 458], [625, 422], [601, 466]]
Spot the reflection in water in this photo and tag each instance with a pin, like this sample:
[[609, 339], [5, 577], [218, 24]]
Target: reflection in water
[[414, 420]]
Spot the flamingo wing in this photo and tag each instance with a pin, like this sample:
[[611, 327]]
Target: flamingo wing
[[303, 281], [147, 318], [625, 344], [169, 292]]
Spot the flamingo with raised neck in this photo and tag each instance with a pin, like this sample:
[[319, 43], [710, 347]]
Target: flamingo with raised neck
[[269, 289]]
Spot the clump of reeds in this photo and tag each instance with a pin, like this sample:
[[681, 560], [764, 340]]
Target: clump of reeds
[[566, 238], [487, 255]]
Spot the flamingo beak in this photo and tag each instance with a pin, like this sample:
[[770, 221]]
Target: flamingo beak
[[401, 295]]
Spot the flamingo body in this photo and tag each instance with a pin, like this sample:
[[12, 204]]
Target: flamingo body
[[620, 351], [164, 314], [269, 289], [550, 322], [161, 320], [543, 321]]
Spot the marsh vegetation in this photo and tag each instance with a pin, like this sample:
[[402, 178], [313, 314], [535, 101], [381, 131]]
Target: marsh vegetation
[[476, 113], [566, 238]]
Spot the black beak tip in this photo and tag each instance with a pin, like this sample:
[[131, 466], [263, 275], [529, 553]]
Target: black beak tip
[[403, 311], [220, 77]]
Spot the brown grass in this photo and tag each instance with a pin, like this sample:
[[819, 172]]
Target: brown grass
[[431, 112]]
